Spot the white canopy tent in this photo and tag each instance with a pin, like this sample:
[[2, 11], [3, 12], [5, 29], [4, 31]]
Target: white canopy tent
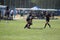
[[2, 6], [35, 8]]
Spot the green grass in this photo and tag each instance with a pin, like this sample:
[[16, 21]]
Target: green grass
[[14, 30]]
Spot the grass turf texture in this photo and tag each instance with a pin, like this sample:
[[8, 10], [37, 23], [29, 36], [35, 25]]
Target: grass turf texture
[[14, 30]]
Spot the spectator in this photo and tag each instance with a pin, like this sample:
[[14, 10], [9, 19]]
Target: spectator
[[7, 12]]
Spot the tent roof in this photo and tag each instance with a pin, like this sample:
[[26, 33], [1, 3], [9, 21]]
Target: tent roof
[[35, 8], [1, 6]]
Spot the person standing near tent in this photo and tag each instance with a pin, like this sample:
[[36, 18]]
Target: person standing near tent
[[7, 12], [11, 14], [0, 15], [47, 20]]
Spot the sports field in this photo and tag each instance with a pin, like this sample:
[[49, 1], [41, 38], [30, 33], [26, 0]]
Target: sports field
[[14, 30]]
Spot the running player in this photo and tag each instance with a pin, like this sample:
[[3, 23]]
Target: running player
[[47, 20], [29, 21]]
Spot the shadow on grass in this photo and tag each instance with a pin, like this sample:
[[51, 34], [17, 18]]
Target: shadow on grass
[[37, 28]]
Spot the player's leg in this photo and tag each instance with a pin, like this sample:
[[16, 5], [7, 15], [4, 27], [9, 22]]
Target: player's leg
[[25, 25], [45, 24], [29, 24], [49, 25]]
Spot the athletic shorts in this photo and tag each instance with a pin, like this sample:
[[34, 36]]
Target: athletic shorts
[[29, 22], [47, 20]]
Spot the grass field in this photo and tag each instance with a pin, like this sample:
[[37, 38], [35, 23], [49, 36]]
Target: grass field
[[14, 30]]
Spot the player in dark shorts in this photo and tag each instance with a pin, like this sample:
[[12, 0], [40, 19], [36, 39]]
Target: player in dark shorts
[[29, 21], [47, 20]]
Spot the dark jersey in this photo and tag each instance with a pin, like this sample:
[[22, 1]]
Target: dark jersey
[[29, 18], [48, 17]]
